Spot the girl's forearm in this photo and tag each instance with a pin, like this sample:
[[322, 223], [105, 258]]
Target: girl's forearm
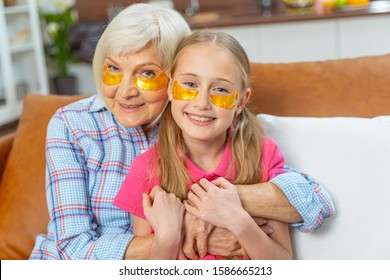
[[255, 243], [165, 248]]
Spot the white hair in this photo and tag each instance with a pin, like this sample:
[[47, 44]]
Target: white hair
[[135, 27]]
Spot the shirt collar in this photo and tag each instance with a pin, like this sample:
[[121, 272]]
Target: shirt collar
[[97, 104], [221, 171]]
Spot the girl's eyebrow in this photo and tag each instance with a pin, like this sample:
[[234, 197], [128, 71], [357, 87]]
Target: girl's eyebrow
[[225, 80], [218, 79], [189, 74]]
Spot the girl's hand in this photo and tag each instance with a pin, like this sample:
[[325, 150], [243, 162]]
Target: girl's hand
[[164, 211], [215, 205]]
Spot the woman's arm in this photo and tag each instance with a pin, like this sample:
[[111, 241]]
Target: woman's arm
[[76, 233], [268, 201], [221, 207], [291, 197]]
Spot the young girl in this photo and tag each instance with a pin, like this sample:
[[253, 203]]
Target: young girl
[[207, 139]]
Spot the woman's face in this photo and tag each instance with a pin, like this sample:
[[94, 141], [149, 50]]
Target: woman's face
[[130, 88]]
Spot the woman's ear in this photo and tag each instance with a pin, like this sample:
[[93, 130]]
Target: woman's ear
[[243, 100]]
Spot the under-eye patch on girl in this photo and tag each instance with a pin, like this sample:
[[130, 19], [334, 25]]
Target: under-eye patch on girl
[[149, 84], [223, 101]]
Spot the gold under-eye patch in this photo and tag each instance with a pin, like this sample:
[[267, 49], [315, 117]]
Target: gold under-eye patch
[[156, 83], [149, 84], [180, 93], [111, 79], [224, 101]]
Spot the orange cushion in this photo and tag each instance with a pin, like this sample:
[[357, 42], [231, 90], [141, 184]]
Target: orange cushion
[[23, 211], [356, 87]]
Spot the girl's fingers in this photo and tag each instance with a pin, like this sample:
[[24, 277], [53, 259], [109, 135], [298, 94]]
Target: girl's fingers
[[193, 210], [222, 183], [146, 201], [206, 184], [198, 190], [193, 199]]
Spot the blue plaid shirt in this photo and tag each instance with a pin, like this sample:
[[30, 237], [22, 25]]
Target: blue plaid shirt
[[88, 154]]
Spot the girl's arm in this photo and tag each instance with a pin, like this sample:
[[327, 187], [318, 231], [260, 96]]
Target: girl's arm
[[257, 244], [164, 213], [221, 207]]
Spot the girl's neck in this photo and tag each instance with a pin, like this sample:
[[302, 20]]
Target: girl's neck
[[205, 154]]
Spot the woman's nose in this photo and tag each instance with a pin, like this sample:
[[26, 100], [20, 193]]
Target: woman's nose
[[127, 88]]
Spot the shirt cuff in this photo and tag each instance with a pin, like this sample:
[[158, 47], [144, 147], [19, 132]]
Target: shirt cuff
[[112, 246], [303, 198]]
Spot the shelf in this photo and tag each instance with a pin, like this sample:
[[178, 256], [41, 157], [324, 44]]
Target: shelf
[[20, 9], [22, 61], [22, 48]]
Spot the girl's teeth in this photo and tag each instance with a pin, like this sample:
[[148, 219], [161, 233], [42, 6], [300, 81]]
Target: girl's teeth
[[201, 119]]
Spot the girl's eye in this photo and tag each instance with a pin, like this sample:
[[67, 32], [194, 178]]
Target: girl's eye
[[221, 91], [190, 84]]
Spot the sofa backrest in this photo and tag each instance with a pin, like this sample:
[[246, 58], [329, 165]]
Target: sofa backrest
[[347, 155], [358, 87]]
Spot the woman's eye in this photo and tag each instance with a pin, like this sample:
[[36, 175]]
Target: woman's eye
[[113, 69], [148, 74]]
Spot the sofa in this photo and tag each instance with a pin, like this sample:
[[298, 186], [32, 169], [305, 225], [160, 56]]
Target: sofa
[[330, 119]]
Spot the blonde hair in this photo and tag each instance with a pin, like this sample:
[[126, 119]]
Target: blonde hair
[[245, 139], [133, 29]]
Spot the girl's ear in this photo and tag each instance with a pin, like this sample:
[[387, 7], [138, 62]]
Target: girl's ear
[[243, 100], [170, 87]]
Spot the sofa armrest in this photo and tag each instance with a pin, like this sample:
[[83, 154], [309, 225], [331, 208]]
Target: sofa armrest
[[6, 142]]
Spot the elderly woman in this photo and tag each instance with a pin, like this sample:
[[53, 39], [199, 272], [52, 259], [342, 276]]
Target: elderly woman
[[91, 144]]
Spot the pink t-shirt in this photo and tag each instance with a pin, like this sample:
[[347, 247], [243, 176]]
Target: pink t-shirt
[[139, 181]]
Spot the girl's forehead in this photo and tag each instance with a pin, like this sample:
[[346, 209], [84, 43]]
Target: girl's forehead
[[210, 59]]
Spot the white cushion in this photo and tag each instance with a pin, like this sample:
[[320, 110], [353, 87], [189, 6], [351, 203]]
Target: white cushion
[[350, 157]]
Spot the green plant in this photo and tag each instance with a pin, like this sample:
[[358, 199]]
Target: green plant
[[57, 47]]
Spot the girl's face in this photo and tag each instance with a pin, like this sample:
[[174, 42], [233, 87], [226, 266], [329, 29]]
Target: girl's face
[[134, 86], [207, 71]]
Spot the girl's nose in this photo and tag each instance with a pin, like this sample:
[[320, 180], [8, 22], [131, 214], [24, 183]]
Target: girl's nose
[[202, 100]]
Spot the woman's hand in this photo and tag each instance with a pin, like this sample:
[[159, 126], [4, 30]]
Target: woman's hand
[[196, 233]]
